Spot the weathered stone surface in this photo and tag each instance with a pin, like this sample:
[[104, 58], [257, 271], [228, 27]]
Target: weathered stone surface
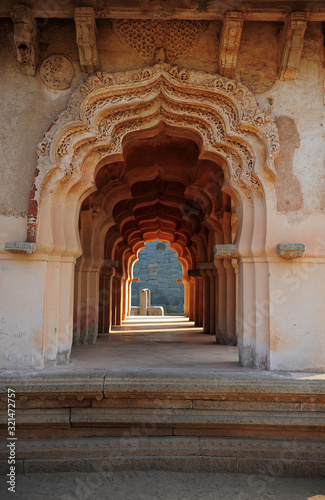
[[291, 250], [225, 251], [57, 72], [155, 311], [295, 458], [86, 37], [64, 382], [230, 40], [22, 247], [293, 35], [59, 417], [25, 38]]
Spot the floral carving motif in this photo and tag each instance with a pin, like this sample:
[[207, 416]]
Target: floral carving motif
[[107, 107], [57, 72], [146, 36]]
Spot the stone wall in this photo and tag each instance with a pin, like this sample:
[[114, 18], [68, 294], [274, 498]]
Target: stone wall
[[158, 269]]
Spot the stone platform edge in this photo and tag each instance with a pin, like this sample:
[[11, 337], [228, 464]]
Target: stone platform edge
[[101, 382]]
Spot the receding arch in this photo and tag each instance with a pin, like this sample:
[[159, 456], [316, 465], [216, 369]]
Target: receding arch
[[221, 116]]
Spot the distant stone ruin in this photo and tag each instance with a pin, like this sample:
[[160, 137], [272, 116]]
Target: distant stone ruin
[[145, 308], [159, 270]]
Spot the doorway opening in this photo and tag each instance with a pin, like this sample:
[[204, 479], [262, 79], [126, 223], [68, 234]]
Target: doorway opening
[[158, 271], [162, 193]]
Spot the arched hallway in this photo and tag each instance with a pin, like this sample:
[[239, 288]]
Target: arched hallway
[[164, 190]]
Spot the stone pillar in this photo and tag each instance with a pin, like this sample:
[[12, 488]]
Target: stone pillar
[[206, 301], [206, 271], [114, 300], [212, 276], [118, 307], [225, 260], [186, 296], [192, 299], [124, 298], [86, 306], [145, 301], [231, 302], [106, 300], [221, 326], [198, 302]]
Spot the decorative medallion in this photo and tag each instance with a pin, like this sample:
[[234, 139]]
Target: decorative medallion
[[57, 72], [146, 36]]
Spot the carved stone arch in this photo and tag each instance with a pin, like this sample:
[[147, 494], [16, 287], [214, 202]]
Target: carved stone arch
[[221, 116], [107, 108]]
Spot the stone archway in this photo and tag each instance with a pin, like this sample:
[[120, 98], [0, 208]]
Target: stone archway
[[220, 115]]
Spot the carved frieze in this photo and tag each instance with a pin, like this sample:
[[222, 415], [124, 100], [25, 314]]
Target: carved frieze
[[294, 30], [86, 39], [25, 38], [147, 37], [229, 44], [57, 72]]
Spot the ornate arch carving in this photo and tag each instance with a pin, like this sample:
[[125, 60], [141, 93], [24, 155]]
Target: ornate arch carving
[[105, 109]]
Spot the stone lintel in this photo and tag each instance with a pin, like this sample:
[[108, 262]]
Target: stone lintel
[[291, 250], [230, 40], [25, 38], [193, 273], [206, 265], [228, 251], [86, 39], [110, 263], [294, 30], [116, 10], [23, 247]]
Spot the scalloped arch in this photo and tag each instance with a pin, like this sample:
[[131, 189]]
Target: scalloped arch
[[107, 108]]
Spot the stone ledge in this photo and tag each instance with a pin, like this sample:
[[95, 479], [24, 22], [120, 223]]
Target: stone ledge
[[291, 458], [20, 247], [100, 382], [65, 382], [291, 250], [225, 251], [167, 445], [49, 417], [180, 417]]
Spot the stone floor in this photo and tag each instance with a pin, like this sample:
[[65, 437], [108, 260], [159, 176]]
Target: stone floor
[[159, 342], [161, 485]]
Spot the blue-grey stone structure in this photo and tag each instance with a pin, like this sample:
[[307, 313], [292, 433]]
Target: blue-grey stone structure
[[158, 269]]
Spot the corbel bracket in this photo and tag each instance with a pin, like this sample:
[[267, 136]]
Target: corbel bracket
[[21, 247], [25, 38], [294, 30], [229, 45], [225, 251], [291, 250], [86, 39]]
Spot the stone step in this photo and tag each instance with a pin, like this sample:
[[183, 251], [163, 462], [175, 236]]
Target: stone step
[[236, 421]]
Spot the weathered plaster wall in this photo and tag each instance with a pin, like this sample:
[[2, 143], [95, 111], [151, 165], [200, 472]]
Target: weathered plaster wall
[[297, 329], [301, 102], [21, 313], [258, 56], [27, 108]]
